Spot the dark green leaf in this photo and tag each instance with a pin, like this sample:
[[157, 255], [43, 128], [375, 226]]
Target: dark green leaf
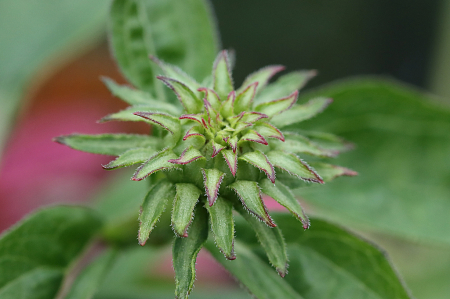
[[293, 165], [259, 160], [153, 206], [183, 207], [222, 225], [212, 178], [36, 252], [107, 144], [130, 157], [89, 280], [231, 159], [185, 252]]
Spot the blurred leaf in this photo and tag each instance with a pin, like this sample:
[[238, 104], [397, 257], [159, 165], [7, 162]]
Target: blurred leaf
[[89, 280], [36, 252], [185, 37], [32, 33], [402, 157]]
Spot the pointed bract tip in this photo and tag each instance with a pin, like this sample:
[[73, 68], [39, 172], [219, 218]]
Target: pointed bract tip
[[59, 139]]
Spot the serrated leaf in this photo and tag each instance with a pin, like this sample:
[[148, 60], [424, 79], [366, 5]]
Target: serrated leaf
[[212, 97], [90, 279], [183, 207], [300, 113], [223, 81], [231, 159], [253, 136], [128, 113], [233, 141], [227, 108], [187, 156], [107, 144], [128, 94], [259, 160], [269, 131], [154, 204], [284, 86], [292, 164], [250, 196], [185, 251], [279, 106], [191, 103], [158, 162], [137, 30], [271, 240], [194, 131], [36, 253], [329, 172], [217, 148], [262, 76], [130, 157], [222, 225], [295, 143], [194, 117], [244, 99], [255, 274], [166, 121], [212, 178], [284, 197]]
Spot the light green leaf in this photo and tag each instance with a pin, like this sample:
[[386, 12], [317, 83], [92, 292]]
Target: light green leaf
[[327, 140], [329, 172], [185, 252], [294, 166], [253, 136], [259, 160], [284, 86], [244, 99], [227, 108], [153, 206], [158, 162], [262, 76], [278, 106], [212, 97], [284, 197], [403, 141], [183, 207], [222, 225], [269, 131], [131, 157], [130, 95], [36, 252], [191, 103], [295, 143], [189, 155], [223, 80], [107, 144], [128, 114], [166, 121], [255, 274], [301, 113], [89, 280], [212, 178], [32, 34], [250, 196], [137, 30], [270, 239], [231, 159]]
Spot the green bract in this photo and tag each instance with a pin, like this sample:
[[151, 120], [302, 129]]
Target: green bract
[[218, 149]]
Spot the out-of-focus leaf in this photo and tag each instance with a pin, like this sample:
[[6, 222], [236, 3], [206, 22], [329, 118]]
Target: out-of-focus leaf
[[402, 157], [36, 252], [130, 157], [184, 37], [89, 280], [32, 33]]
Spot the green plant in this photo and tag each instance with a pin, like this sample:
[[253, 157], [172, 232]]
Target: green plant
[[211, 149]]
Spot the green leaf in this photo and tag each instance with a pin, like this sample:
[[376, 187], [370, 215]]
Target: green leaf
[[158, 162], [137, 30], [326, 259], [294, 166], [189, 155], [222, 225], [301, 113], [284, 197], [128, 94], [261, 76], [279, 106], [212, 178], [250, 196], [166, 121], [227, 108], [191, 103], [255, 274], [183, 207], [284, 86], [231, 159], [107, 144], [32, 36], [244, 99], [295, 143], [223, 81], [128, 114], [212, 97], [329, 172], [131, 157], [327, 141], [185, 252], [153, 206], [403, 141], [89, 280], [259, 160], [38, 250], [253, 136], [269, 131], [270, 239]]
